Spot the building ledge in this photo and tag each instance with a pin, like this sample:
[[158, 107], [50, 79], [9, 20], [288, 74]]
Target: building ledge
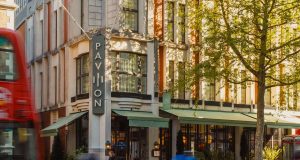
[[131, 95], [8, 6]]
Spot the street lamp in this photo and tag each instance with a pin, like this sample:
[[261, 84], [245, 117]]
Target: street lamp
[[107, 147], [156, 150], [156, 145]]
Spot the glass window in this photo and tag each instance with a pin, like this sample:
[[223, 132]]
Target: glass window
[[7, 60], [170, 25], [243, 88], [210, 90], [181, 80], [17, 143], [181, 23], [129, 72], [82, 74], [130, 9], [171, 77]]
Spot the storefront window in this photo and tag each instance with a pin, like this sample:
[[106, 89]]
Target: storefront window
[[82, 127], [119, 136], [82, 74], [128, 142], [208, 140], [129, 72], [247, 144], [165, 143]]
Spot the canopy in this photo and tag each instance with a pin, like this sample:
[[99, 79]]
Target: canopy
[[279, 121], [143, 119], [193, 116], [53, 128]]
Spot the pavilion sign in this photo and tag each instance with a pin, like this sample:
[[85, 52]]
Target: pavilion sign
[[98, 74]]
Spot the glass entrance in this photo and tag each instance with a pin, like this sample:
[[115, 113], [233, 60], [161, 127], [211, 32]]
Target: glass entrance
[[128, 143], [138, 143]]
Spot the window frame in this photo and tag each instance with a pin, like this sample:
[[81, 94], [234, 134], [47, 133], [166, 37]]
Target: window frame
[[171, 74], [81, 75], [171, 20], [9, 51], [243, 87], [116, 71], [132, 11], [181, 23], [181, 77]]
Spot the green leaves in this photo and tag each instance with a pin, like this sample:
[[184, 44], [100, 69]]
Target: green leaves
[[271, 153]]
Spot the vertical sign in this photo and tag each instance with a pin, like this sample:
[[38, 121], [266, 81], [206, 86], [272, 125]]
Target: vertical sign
[[98, 74]]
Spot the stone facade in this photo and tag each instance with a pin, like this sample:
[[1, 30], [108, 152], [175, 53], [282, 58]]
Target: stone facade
[[7, 8]]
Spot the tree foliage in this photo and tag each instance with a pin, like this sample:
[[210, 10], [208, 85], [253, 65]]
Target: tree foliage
[[239, 34], [260, 38]]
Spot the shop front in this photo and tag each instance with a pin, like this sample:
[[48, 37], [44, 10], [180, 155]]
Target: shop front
[[134, 133], [221, 135], [208, 139]]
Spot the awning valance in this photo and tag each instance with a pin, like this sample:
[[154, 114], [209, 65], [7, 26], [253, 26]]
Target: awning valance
[[279, 121], [53, 128], [193, 116], [143, 119]]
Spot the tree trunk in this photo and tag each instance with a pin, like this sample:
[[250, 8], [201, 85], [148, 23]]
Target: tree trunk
[[259, 136]]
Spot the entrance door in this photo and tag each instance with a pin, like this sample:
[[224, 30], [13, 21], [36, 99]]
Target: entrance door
[[138, 148]]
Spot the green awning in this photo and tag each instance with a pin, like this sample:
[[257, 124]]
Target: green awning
[[53, 128], [192, 116], [279, 121], [143, 119]]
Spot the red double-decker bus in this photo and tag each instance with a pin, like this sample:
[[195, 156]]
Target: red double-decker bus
[[19, 123]]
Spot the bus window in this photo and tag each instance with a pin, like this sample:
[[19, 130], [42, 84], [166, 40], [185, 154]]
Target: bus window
[[16, 143], [7, 62]]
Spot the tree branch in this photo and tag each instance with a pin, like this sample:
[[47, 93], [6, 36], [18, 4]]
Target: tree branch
[[277, 25], [288, 9], [229, 41], [280, 82], [240, 82], [283, 59], [255, 16], [272, 6], [283, 45]]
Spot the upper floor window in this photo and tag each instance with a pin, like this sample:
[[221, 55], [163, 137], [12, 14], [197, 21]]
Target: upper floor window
[[243, 88], [129, 72], [171, 77], [210, 90], [170, 25], [130, 9], [82, 74], [181, 80], [181, 23]]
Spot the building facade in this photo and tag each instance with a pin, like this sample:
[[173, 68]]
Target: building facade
[[100, 71], [7, 14]]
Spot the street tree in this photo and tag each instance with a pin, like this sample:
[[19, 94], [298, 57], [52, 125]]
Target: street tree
[[253, 41]]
